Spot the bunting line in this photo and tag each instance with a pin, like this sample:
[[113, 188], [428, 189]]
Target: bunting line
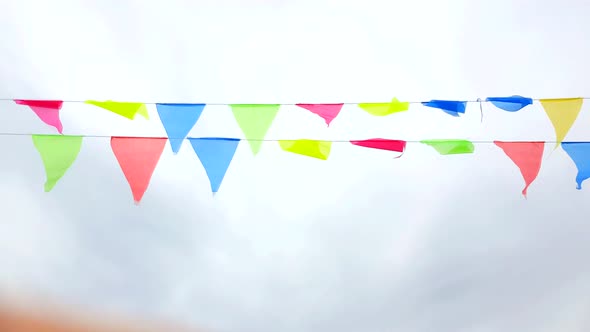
[[138, 157], [286, 139], [255, 120], [492, 101]]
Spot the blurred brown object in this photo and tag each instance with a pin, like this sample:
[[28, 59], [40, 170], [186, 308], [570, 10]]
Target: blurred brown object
[[21, 320]]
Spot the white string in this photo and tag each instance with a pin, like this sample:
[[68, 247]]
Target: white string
[[273, 140], [282, 104]]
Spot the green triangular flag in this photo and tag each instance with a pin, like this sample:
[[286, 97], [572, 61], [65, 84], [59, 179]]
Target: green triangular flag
[[450, 146], [254, 120], [58, 154], [126, 109]]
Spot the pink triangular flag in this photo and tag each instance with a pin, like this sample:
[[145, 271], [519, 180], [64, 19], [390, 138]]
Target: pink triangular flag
[[46, 110], [327, 111], [382, 144], [527, 156], [138, 157]]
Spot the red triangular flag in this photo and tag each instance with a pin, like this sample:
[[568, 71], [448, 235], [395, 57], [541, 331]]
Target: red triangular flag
[[382, 144], [327, 111], [46, 110], [138, 157], [527, 156]]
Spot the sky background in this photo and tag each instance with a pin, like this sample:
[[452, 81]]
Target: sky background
[[359, 243]]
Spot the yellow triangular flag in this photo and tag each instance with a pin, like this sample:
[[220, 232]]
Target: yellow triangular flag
[[383, 109], [562, 113], [143, 112], [308, 147], [126, 109]]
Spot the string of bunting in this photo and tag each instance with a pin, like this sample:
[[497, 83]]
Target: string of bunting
[[138, 156], [48, 110]]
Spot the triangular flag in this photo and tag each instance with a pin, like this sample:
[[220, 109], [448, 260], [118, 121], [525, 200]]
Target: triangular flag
[[58, 154], [450, 146], [448, 106], [383, 109], [46, 110], [562, 113], [142, 110], [510, 104], [215, 154], [327, 111], [138, 157], [178, 120], [382, 144], [255, 120], [580, 154], [527, 156], [126, 109], [307, 147]]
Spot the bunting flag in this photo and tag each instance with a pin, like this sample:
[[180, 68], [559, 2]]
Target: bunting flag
[[382, 144], [579, 152], [255, 120], [215, 155], [308, 147], [46, 110], [138, 157], [58, 154], [126, 109], [562, 113], [383, 109], [450, 107], [510, 104], [178, 120], [527, 156], [450, 146], [328, 112]]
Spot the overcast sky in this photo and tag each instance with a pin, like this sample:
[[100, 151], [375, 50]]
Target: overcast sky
[[359, 243]]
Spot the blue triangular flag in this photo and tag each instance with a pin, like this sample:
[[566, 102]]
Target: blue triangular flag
[[448, 106], [215, 154], [510, 104], [580, 154], [178, 120]]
